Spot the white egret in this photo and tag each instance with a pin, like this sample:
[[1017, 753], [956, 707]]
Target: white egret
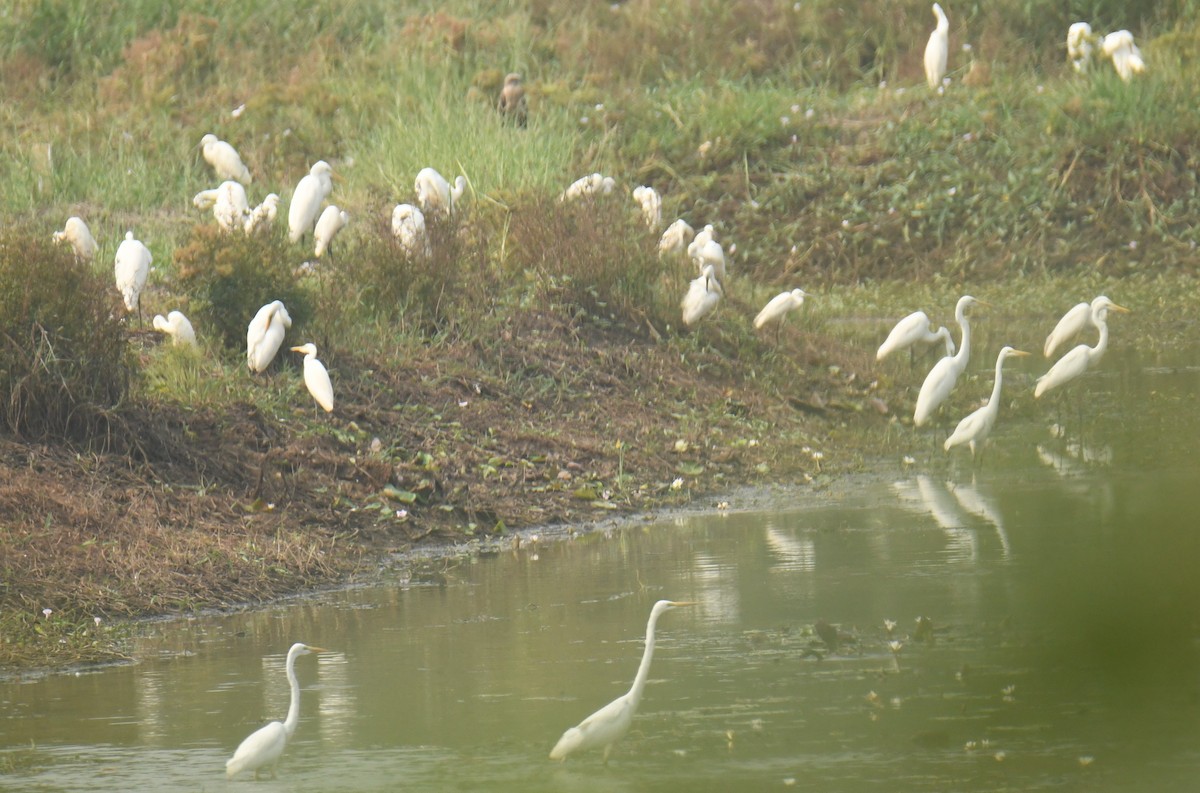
[[224, 159], [700, 239], [80, 236], [316, 377], [434, 193], [944, 374], [230, 207], [914, 329], [1082, 357], [1072, 323], [1079, 46], [408, 226], [974, 429], [651, 204], [609, 724], [263, 215], [591, 185], [177, 326], [937, 50], [265, 334], [332, 221], [205, 199], [307, 198], [132, 266], [512, 104], [676, 238], [703, 294], [778, 306], [1126, 57], [709, 254], [263, 747]]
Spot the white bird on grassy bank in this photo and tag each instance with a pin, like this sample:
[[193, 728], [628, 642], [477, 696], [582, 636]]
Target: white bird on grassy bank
[[1126, 57], [177, 326], [937, 50], [263, 215], [975, 428], [332, 221], [307, 198], [131, 268], [316, 377], [778, 307], [434, 193], [408, 226], [224, 159], [609, 724], [231, 208], [703, 294], [651, 204], [264, 335], [1079, 46], [676, 238], [595, 184], [80, 236]]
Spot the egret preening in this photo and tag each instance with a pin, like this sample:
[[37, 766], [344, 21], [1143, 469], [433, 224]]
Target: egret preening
[[264, 335], [1079, 46], [609, 724], [512, 103], [778, 307], [328, 225], [263, 747], [591, 185], [700, 239], [1126, 57], [708, 254], [316, 377], [651, 204], [224, 159], [177, 326], [676, 238], [914, 329], [307, 198], [974, 429], [230, 206], [132, 266], [263, 215], [205, 199], [937, 50], [1082, 357], [80, 236], [1072, 323], [408, 226], [703, 294], [944, 374], [435, 194]]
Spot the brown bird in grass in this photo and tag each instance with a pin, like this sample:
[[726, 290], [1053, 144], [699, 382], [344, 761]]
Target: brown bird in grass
[[512, 103]]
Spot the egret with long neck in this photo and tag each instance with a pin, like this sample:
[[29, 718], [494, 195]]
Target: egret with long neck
[[945, 373], [1081, 358], [975, 428]]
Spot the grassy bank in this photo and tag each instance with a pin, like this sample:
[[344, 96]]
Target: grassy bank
[[534, 369]]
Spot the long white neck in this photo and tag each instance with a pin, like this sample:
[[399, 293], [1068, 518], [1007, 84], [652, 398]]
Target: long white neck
[[943, 23], [963, 356], [999, 376], [639, 681], [1097, 352], [293, 716]]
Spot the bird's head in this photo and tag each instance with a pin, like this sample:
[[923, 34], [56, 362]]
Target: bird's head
[[307, 349], [300, 648], [1012, 352], [208, 140]]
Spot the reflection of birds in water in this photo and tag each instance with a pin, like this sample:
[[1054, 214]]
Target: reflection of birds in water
[[797, 554], [924, 631], [974, 501], [945, 511]]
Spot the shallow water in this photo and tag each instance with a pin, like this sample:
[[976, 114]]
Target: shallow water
[[1060, 581]]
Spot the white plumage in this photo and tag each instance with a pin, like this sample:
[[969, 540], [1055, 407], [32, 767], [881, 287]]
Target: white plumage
[[307, 198], [975, 428], [594, 184], [316, 377], [916, 328], [231, 207], [945, 373], [80, 236], [700, 239], [408, 226], [1082, 357], [703, 294], [709, 254], [332, 221], [651, 204], [937, 50], [434, 193], [224, 159], [676, 238], [1126, 57], [265, 334], [1079, 46], [262, 216], [1072, 323], [177, 326], [778, 307], [132, 266]]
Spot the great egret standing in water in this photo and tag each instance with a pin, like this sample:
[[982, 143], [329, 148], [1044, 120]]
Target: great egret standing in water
[[80, 236], [264, 746], [307, 198], [944, 374], [1073, 322], [914, 329], [937, 51], [974, 429], [609, 724], [224, 159], [316, 377], [1082, 357], [265, 335]]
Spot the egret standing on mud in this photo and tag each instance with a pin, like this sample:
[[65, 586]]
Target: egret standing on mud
[[263, 747], [945, 373], [316, 377], [914, 329], [937, 51], [1082, 357], [609, 724], [264, 336], [975, 428], [224, 159], [307, 198], [80, 236]]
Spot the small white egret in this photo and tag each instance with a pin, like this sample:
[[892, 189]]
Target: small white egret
[[512, 104], [1126, 57], [594, 184], [1082, 357], [263, 747], [974, 429], [944, 374], [1079, 46], [778, 307], [263, 215], [230, 207], [937, 50], [676, 238], [703, 294], [651, 204], [265, 334], [316, 377], [132, 267], [408, 226], [80, 236], [700, 239], [709, 254], [224, 159], [1072, 323], [434, 193], [177, 326], [307, 198], [609, 724], [205, 199], [332, 221], [914, 329]]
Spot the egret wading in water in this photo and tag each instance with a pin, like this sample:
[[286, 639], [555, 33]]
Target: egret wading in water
[[778, 307], [1081, 358], [914, 329], [434, 193], [80, 236], [937, 50], [1071, 324], [177, 326], [224, 159], [263, 747], [945, 373], [131, 268], [310, 193], [974, 429], [316, 377], [609, 724], [703, 294], [264, 335]]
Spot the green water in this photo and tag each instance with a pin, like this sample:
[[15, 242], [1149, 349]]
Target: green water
[[1060, 580]]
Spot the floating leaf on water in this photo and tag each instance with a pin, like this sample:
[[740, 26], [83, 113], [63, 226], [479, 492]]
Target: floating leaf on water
[[396, 494]]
